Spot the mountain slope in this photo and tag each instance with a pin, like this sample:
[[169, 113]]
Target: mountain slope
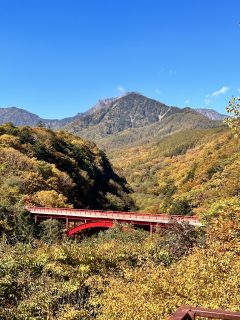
[[211, 114], [56, 169], [130, 111], [189, 171], [135, 119], [18, 116], [21, 117], [175, 123]]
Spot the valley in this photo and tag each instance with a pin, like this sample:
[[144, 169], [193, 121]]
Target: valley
[[126, 154]]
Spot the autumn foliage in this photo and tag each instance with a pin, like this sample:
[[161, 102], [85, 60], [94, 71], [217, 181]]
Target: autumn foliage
[[122, 273]]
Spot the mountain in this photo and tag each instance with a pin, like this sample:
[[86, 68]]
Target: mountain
[[130, 111], [135, 118], [129, 119], [18, 116], [21, 117], [211, 114]]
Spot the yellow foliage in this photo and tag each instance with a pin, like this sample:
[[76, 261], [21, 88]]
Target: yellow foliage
[[50, 198], [209, 277], [201, 166]]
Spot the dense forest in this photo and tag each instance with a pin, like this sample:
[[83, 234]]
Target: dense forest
[[57, 169], [121, 273], [190, 172]]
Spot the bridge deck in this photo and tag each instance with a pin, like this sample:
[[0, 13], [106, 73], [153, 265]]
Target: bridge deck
[[113, 215]]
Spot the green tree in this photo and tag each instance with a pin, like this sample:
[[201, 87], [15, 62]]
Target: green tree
[[51, 230], [5, 222], [181, 207], [24, 228], [233, 122]]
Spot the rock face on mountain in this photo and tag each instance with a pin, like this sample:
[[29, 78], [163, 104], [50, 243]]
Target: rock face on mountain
[[133, 118], [21, 117], [101, 104], [211, 114]]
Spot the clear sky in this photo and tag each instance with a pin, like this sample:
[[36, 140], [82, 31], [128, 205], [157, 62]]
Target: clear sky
[[58, 57]]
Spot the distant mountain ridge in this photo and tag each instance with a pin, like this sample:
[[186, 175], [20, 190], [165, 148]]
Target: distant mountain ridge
[[211, 114], [21, 117], [116, 121], [18, 116]]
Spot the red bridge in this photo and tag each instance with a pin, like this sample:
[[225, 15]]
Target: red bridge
[[105, 219]]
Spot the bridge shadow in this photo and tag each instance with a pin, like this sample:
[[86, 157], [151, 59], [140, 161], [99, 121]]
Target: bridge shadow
[[87, 233]]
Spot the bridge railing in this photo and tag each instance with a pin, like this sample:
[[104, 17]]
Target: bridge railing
[[113, 214], [191, 313]]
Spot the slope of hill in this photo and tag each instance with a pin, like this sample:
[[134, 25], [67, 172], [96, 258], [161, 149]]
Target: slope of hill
[[133, 118], [130, 111], [60, 123], [186, 172], [21, 117], [211, 114], [182, 120], [56, 169], [18, 116]]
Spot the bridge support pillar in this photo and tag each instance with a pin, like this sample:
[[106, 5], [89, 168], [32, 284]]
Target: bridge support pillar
[[35, 218], [66, 223], [151, 229]]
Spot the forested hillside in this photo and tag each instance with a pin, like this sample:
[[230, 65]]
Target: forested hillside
[[122, 273], [56, 169], [189, 172]]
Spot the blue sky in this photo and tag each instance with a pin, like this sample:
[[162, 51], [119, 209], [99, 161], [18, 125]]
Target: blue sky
[[58, 57]]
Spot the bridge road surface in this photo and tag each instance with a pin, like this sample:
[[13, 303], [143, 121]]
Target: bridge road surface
[[100, 218]]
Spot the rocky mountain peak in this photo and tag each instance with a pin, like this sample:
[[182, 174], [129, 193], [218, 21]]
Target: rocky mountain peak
[[101, 104]]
